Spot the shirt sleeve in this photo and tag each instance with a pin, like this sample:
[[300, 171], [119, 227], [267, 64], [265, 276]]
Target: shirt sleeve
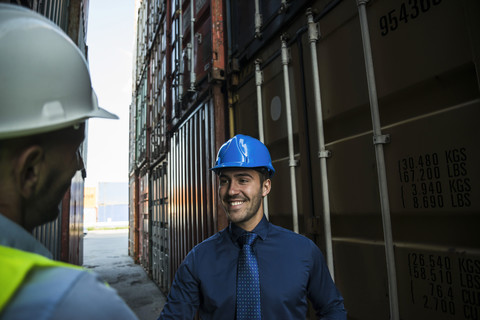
[[322, 292], [65, 293], [184, 297], [91, 298]]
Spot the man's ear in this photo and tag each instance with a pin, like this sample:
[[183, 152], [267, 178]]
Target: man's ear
[[27, 169], [267, 185]]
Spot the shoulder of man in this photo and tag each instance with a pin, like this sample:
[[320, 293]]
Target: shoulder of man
[[289, 233], [208, 247], [213, 240], [65, 293], [294, 239]]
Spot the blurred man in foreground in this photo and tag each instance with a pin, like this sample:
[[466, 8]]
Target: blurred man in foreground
[[45, 99]]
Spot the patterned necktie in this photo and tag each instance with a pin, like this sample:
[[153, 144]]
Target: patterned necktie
[[248, 283]]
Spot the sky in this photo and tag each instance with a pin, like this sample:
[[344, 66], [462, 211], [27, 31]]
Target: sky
[[110, 41]]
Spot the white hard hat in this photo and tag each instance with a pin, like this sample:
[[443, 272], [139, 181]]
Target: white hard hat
[[44, 79]]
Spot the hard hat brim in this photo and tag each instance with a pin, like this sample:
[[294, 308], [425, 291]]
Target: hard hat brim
[[102, 113]]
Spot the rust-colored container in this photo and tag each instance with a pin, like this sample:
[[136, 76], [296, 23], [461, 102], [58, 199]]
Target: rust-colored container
[[175, 108], [197, 50], [191, 209]]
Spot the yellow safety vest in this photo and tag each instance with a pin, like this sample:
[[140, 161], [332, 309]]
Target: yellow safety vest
[[15, 265]]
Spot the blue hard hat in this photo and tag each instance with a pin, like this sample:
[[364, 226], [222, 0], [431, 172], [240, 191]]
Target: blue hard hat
[[243, 151]]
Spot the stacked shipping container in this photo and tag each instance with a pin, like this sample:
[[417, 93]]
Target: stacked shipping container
[[369, 110], [170, 118]]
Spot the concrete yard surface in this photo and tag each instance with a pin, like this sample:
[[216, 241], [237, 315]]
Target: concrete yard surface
[[106, 252]]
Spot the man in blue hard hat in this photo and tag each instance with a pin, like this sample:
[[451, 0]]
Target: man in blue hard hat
[[252, 269]]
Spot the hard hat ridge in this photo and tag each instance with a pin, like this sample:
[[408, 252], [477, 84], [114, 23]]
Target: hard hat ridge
[[243, 151]]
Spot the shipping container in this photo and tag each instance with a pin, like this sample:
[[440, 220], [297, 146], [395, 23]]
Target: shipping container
[[169, 119], [133, 218], [191, 212], [144, 232], [49, 234], [425, 78], [368, 109], [160, 226], [72, 232]]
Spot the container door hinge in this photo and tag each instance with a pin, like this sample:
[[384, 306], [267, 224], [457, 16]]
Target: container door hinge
[[293, 163], [324, 154], [381, 139]]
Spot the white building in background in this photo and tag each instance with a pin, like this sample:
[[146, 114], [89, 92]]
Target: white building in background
[[112, 203], [106, 206]]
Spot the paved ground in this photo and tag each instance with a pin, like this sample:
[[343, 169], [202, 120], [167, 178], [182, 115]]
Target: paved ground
[[106, 252]]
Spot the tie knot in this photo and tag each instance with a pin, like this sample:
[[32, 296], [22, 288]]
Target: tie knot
[[247, 238]]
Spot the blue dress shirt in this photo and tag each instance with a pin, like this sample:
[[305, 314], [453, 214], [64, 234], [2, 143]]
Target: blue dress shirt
[[291, 268]]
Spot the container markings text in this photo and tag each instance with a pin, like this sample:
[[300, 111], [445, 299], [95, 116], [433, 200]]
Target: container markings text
[[409, 10], [435, 180], [445, 283]]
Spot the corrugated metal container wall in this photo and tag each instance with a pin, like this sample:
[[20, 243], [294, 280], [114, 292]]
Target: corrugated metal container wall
[[55, 10], [141, 45], [75, 226], [425, 59], [191, 207], [178, 94], [158, 245], [158, 142], [176, 67], [197, 49], [141, 123], [49, 234], [133, 218], [190, 57], [132, 162], [160, 226], [138, 138], [158, 90], [144, 217], [133, 186]]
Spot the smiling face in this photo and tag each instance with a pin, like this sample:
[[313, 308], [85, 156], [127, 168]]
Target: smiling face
[[241, 193]]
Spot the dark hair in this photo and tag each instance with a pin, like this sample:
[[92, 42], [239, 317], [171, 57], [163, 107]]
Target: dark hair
[[263, 173]]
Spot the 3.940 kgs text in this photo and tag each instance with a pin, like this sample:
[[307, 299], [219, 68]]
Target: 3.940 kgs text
[[435, 180]]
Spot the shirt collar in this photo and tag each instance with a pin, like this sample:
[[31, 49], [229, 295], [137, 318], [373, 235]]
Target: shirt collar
[[261, 229], [14, 236]]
